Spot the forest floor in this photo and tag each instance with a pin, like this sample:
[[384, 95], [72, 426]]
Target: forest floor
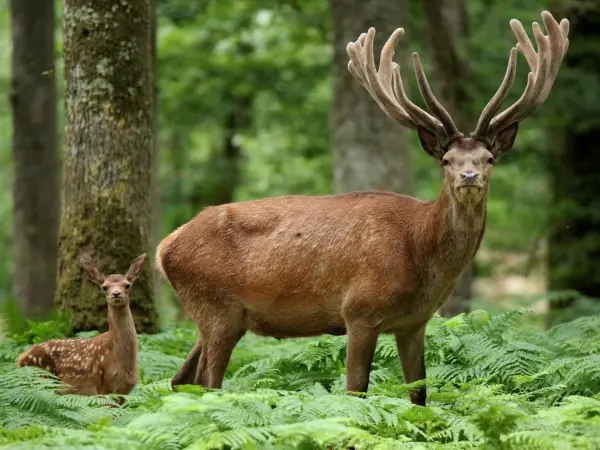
[[495, 382]]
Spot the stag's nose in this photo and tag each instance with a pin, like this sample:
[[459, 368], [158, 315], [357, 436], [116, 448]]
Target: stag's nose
[[469, 176], [116, 294]]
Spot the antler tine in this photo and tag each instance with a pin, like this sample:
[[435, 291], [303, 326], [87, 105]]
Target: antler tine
[[451, 132], [496, 101], [387, 54], [564, 29], [421, 117], [385, 71], [362, 67], [524, 44], [544, 67], [558, 42]]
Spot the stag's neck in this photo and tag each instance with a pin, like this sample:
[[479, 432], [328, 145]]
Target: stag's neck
[[457, 229], [121, 330], [461, 217]]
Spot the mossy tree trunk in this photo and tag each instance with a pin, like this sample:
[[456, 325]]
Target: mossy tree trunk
[[446, 28], [108, 161], [370, 151], [155, 235], [36, 186]]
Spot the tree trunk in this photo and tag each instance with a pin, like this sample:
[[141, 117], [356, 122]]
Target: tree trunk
[[370, 151], [447, 30], [156, 197], [574, 243], [108, 163], [36, 188]]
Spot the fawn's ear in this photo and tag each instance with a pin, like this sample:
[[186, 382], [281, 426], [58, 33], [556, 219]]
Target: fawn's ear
[[91, 271], [136, 268]]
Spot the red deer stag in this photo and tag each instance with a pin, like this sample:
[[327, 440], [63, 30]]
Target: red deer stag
[[105, 364], [362, 263]]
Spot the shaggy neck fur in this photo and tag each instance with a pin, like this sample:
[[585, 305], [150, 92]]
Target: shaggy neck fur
[[458, 226]]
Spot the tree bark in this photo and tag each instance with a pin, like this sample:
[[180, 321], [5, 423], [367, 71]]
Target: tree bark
[[156, 198], [447, 30], [574, 243], [370, 151], [108, 162], [36, 186]]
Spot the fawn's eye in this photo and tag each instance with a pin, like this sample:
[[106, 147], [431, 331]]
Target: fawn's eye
[[127, 286], [105, 288]]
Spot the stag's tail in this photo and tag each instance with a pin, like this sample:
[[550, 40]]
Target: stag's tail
[[162, 252]]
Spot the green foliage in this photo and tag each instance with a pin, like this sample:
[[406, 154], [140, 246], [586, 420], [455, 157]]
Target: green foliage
[[28, 331], [493, 383]]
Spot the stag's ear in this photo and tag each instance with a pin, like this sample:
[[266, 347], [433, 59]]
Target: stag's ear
[[91, 271], [505, 140], [430, 142], [136, 268]]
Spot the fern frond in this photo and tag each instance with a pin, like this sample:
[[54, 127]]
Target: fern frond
[[492, 383]]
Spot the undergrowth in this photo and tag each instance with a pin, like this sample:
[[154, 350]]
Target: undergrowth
[[493, 383]]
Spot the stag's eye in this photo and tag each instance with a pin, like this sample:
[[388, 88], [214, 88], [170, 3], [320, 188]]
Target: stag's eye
[[445, 162], [490, 161], [105, 288]]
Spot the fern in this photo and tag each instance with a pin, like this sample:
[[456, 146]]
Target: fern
[[493, 383]]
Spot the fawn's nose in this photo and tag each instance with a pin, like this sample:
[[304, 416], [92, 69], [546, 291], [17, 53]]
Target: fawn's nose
[[469, 176], [116, 294]]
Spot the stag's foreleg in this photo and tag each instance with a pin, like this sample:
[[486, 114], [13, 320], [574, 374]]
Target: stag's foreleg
[[362, 341], [411, 350]]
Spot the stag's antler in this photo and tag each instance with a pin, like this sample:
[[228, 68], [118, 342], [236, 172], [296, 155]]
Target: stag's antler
[[544, 67], [385, 86]]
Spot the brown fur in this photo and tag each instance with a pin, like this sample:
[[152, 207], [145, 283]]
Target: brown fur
[[105, 364]]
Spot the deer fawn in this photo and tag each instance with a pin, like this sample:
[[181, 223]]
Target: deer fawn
[[107, 363], [362, 263]]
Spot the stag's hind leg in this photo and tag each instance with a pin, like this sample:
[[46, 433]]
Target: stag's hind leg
[[215, 356], [187, 373], [221, 327]]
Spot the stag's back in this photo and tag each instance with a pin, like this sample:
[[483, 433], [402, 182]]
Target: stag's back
[[292, 247]]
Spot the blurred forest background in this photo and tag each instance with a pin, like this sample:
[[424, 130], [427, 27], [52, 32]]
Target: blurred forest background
[[253, 99]]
